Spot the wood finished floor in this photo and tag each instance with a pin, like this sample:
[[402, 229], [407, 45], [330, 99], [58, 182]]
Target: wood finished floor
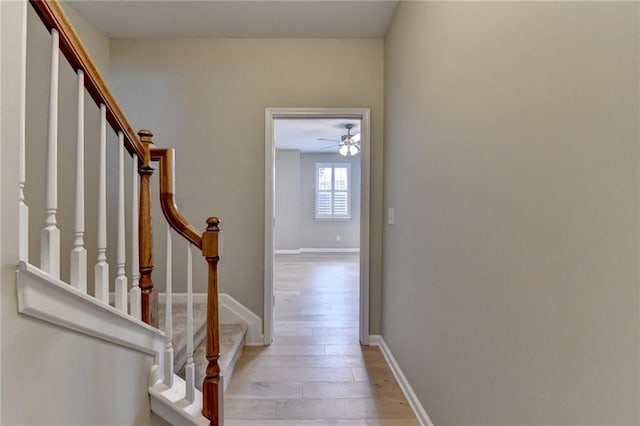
[[315, 372]]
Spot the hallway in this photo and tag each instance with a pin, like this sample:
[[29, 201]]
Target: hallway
[[315, 372]]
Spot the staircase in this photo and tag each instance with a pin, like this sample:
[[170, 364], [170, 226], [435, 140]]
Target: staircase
[[112, 300], [232, 340]]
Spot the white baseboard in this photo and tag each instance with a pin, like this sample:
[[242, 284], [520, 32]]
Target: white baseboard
[[182, 297], [318, 250], [232, 311], [412, 398], [330, 250], [295, 251]]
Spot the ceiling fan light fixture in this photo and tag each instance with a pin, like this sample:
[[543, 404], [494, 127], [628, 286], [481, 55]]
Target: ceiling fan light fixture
[[349, 145]]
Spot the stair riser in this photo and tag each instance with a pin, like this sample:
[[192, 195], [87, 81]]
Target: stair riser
[[180, 354]]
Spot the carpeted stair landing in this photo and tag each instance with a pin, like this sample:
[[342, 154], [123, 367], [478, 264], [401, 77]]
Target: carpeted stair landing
[[232, 340]]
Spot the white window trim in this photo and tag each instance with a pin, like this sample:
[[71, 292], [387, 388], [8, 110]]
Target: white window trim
[[333, 165]]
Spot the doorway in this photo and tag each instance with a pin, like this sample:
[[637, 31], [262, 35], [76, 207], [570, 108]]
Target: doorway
[[330, 199]]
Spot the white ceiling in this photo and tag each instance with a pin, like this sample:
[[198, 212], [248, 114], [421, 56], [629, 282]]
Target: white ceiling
[[302, 133], [239, 18]]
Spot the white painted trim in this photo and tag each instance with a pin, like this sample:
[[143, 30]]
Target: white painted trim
[[233, 312], [42, 296], [365, 202], [319, 250], [330, 250], [21, 224], [365, 220], [412, 398], [269, 225], [23, 208], [638, 222], [170, 403]]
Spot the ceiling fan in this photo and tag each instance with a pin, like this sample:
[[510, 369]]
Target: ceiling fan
[[349, 145]]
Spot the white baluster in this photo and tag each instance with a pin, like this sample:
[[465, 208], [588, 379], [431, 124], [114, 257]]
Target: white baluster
[[190, 368], [50, 236], [102, 267], [121, 278], [78, 270], [168, 322], [135, 302], [23, 209]]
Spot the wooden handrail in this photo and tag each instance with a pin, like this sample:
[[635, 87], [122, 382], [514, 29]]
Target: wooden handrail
[[165, 158], [208, 242], [53, 17]]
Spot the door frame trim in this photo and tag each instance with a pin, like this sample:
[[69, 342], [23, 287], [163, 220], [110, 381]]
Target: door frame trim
[[364, 114]]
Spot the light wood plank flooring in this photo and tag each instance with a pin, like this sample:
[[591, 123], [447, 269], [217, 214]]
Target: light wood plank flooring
[[315, 372]]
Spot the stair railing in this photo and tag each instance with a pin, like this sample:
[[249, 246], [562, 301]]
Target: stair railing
[[142, 297]]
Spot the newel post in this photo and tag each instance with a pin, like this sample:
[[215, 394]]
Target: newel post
[[212, 386], [149, 298]]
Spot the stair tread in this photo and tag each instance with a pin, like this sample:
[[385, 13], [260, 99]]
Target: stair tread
[[179, 320], [231, 343]]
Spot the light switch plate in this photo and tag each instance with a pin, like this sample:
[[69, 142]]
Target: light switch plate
[[391, 216]]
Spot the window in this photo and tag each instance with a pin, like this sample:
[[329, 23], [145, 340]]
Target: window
[[333, 191]]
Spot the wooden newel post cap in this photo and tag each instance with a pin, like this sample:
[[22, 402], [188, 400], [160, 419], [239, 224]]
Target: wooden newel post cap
[[210, 240], [146, 138], [146, 135], [212, 223]]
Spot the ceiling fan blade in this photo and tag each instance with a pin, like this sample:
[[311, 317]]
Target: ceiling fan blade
[[330, 140]]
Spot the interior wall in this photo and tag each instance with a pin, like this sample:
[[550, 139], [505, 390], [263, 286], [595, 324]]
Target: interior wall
[[511, 159], [70, 378], [324, 234], [287, 199], [296, 226], [96, 43], [207, 98]]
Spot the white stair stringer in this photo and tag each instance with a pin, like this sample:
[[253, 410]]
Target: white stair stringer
[[234, 312], [171, 404], [42, 296]]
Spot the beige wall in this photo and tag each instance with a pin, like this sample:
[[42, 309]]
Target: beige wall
[[207, 97], [511, 158], [295, 203], [287, 199], [96, 43], [51, 375], [317, 233]]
